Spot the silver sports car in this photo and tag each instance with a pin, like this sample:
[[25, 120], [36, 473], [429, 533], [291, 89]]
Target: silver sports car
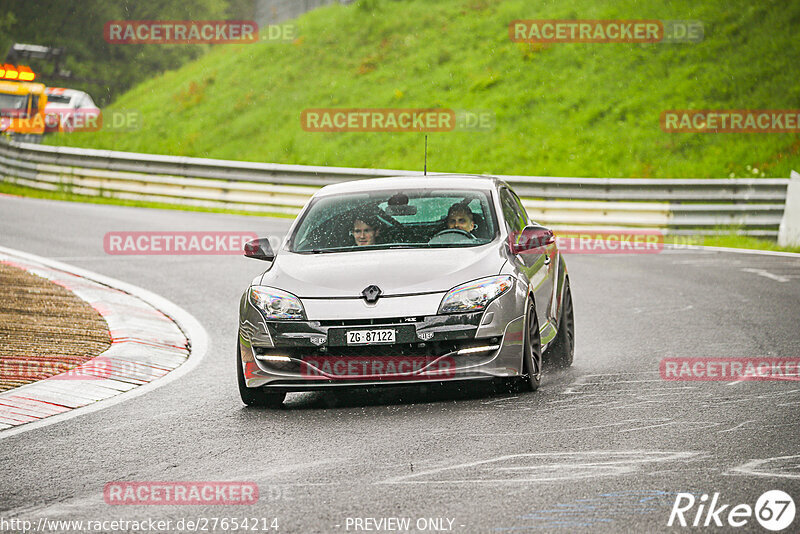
[[399, 280]]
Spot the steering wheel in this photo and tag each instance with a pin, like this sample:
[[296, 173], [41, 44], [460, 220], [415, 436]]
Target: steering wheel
[[452, 232]]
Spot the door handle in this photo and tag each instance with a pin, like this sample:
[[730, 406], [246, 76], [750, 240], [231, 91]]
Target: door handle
[[546, 259]]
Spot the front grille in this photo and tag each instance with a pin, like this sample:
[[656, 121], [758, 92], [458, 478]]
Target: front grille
[[400, 349], [369, 322]]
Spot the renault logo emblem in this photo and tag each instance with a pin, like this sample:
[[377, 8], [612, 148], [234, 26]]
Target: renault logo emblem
[[372, 294]]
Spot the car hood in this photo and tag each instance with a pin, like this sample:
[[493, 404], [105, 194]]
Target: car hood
[[395, 271]]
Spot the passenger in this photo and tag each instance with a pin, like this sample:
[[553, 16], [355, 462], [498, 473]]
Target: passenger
[[365, 230], [460, 217]]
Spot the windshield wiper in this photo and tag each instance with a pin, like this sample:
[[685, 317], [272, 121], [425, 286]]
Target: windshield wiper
[[324, 250]]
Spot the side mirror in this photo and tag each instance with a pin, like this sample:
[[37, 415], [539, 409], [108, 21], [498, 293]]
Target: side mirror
[[531, 238], [259, 249]]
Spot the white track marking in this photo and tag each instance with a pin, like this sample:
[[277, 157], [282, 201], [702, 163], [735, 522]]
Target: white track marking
[[755, 467], [563, 466], [192, 328], [702, 424], [736, 250], [553, 431], [767, 274], [737, 426]]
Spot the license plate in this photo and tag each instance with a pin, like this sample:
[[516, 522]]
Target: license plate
[[369, 337]]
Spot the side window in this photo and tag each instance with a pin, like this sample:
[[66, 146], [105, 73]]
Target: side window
[[523, 212], [514, 217]]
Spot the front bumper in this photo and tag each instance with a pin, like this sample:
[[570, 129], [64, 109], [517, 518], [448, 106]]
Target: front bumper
[[307, 355]]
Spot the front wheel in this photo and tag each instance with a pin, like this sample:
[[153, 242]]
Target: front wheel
[[255, 396], [562, 351], [531, 354]]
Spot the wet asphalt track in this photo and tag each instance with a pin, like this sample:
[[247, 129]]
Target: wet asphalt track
[[603, 446]]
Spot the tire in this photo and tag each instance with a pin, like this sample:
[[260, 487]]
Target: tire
[[255, 396], [531, 355], [562, 351]]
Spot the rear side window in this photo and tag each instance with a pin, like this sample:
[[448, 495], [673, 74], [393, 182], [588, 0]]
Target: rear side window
[[58, 99]]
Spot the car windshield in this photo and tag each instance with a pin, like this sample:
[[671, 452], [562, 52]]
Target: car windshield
[[422, 218], [13, 105]]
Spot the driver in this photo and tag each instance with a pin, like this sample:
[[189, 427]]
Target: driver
[[460, 217], [365, 230]]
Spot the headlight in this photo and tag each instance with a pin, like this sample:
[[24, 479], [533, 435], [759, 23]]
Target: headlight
[[476, 295], [276, 304]]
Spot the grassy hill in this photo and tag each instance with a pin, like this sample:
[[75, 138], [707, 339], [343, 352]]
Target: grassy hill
[[562, 109]]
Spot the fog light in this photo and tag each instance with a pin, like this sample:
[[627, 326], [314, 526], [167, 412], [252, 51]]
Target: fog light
[[272, 358], [473, 350]]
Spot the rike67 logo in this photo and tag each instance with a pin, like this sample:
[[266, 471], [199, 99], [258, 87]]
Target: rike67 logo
[[774, 511]]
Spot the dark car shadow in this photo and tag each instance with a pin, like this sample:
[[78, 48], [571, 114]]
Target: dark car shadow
[[417, 393], [393, 395]]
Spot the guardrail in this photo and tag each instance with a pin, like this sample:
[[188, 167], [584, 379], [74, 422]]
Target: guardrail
[[677, 206]]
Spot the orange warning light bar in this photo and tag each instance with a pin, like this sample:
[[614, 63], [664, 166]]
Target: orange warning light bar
[[10, 72], [22, 73], [26, 74]]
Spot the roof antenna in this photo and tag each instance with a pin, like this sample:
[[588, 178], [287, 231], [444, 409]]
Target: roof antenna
[[426, 156]]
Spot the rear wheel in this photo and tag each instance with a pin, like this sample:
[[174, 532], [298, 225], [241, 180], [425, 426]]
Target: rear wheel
[[562, 351], [255, 396]]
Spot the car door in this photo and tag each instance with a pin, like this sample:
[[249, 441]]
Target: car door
[[535, 264]]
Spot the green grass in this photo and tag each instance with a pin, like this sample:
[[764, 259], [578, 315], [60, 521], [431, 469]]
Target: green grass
[[561, 110], [22, 191]]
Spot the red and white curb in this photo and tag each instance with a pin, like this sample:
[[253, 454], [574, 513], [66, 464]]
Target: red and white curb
[[153, 341]]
